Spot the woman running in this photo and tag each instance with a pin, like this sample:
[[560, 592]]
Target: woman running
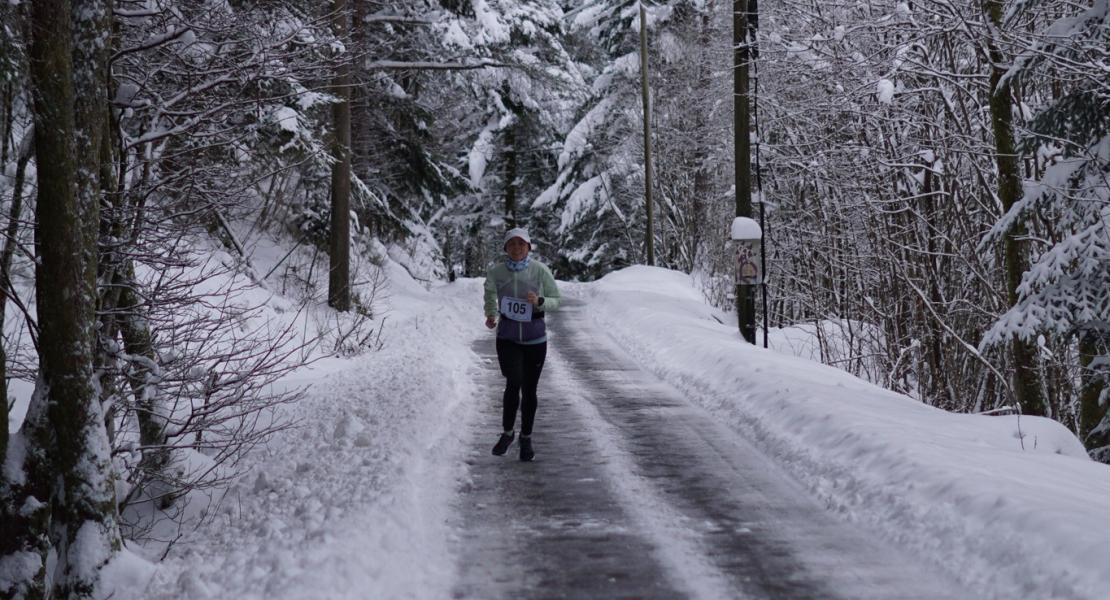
[[521, 291]]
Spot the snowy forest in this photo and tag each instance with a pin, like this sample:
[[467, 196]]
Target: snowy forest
[[933, 175]]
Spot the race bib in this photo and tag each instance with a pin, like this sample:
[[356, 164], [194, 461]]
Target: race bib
[[516, 309]]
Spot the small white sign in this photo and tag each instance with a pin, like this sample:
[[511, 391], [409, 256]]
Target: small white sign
[[747, 263], [516, 309]]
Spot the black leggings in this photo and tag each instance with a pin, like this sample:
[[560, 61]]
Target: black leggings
[[521, 365]]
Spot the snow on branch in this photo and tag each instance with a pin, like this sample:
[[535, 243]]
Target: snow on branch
[[433, 66]]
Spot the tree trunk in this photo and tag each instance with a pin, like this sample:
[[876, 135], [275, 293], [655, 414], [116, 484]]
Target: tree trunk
[[360, 94], [1026, 380], [510, 177], [4, 416], [114, 227], [1094, 419], [649, 233], [5, 278], [9, 119], [25, 510], [25, 504], [339, 278], [143, 375], [66, 422]]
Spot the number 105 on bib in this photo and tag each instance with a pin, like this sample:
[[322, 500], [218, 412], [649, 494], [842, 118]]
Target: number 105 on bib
[[516, 309]]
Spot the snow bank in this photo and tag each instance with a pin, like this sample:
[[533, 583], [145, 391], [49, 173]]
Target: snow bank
[[352, 502], [1010, 505], [125, 576]]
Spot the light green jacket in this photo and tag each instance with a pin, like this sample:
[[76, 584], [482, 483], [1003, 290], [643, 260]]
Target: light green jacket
[[501, 282]]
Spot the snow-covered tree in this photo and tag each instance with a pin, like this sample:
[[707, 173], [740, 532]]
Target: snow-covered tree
[[593, 210], [1066, 291], [692, 137], [12, 57], [57, 496], [522, 111]]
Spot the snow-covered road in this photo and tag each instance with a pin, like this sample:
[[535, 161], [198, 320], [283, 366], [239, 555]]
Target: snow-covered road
[[672, 460], [635, 492]]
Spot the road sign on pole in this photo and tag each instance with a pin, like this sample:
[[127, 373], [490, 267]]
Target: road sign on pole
[[748, 237]]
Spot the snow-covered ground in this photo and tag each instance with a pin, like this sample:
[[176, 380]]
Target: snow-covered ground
[[1010, 504], [356, 501], [352, 501]]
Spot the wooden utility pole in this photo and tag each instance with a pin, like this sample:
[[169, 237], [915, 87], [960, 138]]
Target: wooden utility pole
[[650, 234], [742, 149], [339, 251]]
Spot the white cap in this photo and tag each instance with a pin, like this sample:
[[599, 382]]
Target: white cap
[[517, 232]]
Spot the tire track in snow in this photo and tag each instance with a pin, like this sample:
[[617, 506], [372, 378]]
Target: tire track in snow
[[675, 545], [734, 507]]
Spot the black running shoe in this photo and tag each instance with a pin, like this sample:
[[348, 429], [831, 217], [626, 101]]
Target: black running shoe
[[526, 453], [503, 444]]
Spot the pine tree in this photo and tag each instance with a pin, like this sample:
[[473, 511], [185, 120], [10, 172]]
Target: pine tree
[[524, 110], [593, 210]]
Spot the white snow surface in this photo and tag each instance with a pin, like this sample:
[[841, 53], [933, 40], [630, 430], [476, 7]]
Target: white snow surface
[[352, 503], [578, 140], [480, 154], [885, 91], [591, 195], [454, 36], [492, 30], [744, 228], [356, 501], [1011, 505]]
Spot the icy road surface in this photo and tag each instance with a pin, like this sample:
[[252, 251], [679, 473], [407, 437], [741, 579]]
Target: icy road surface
[[637, 493]]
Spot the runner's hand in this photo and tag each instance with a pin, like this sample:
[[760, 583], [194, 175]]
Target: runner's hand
[[533, 299], [491, 322]]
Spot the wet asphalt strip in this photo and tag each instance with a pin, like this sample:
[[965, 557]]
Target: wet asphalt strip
[[550, 528], [635, 493]]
